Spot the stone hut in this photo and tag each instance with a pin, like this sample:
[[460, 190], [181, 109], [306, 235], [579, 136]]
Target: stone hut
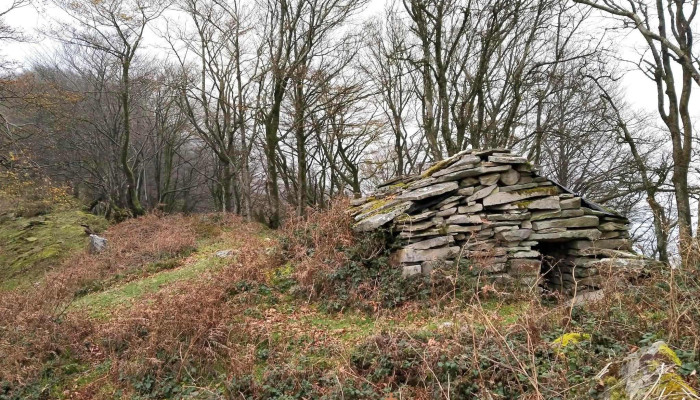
[[493, 208]]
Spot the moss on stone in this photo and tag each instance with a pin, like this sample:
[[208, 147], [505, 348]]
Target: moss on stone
[[570, 338], [673, 387], [616, 391], [547, 190], [399, 185], [669, 354], [436, 167]]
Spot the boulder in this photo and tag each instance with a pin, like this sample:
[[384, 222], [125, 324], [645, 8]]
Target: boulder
[[97, 244], [649, 373]]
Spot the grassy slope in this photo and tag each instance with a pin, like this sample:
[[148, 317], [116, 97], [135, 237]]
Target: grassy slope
[[280, 333], [29, 246]]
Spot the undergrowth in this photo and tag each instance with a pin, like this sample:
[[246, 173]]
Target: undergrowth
[[314, 312]]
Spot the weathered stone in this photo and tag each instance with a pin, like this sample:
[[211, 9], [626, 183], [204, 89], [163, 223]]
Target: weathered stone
[[616, 244], [484, 233], [472, 172], [551, 230], [447, 212], [505, 207], [464, 219], [415, 218], [375, 207], [225, 253], [421, 183], [467, 191], [612, 226], [548, 203], [463, 228], [498, 229], [571, 213], [508, 217], [651, 373], [375, 221], [525, 179], [449, 205], [507, 159], [481, 193], [490, 179], [526, 224], [526, 254], [422, 234], [570, 203], [431, 243], [590, 234], [360, 201], [585, 221], [625, 263], [467, 182], [524, 266], [510, 197], [417, 226], [97, 245], [470, 209], [503, 223], [408, 255], [612, 235], [410, 270], [429, 191], [542, 215], [510, 177], [514, 235], [611, 253]]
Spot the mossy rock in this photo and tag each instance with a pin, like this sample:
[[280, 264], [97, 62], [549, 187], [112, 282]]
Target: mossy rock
[[649, 373]]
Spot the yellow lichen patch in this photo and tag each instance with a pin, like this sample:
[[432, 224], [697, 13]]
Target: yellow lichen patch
[[570, 338], [672, 387], [669, 354]]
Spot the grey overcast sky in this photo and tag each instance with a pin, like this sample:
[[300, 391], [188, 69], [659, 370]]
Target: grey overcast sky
[[639, 91]]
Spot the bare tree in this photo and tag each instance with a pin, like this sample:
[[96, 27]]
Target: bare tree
[[667, 30], [115, 28], [292, 32], [215, 92]]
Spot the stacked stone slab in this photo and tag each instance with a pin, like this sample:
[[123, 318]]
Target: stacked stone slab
[[492, 208]]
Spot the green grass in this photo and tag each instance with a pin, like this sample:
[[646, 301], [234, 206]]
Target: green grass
[[101, 304], [30, 246]]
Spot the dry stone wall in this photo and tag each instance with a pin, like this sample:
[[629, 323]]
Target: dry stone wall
[[492, 208]]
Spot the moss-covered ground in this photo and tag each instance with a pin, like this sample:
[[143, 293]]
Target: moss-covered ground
[[30, 246]]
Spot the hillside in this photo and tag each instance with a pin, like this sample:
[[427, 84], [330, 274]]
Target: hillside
[[210, 306]]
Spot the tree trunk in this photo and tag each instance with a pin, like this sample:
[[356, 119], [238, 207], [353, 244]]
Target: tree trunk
[[132, 191]]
